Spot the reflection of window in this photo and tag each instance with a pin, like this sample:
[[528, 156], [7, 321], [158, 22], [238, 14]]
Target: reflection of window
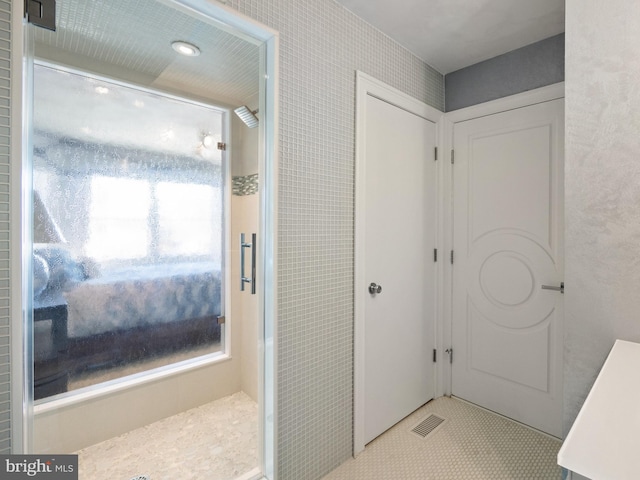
[[137, 219], [118, 211], [186, 215], [142, 219]]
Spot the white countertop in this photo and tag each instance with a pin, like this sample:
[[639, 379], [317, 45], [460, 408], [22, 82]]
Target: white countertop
[[604, 441]]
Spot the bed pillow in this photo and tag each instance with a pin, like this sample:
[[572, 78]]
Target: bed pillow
[[64, 270], [40, 275]]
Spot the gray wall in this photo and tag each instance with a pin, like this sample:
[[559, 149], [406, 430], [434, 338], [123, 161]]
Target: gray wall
[[5, 115], [322, 45], [526, 68], [602, 188]]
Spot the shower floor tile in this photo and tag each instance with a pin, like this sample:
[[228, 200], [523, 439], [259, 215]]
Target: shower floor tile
[[472, 444], [217, 441]]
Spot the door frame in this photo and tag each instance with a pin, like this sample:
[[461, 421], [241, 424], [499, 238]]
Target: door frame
[[512, 102], [367, 85], [21, 51]]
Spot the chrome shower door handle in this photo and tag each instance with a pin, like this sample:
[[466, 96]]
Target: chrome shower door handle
[[252, 246], [553, 287]]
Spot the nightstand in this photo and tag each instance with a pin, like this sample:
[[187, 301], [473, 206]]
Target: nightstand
[[50, 352]]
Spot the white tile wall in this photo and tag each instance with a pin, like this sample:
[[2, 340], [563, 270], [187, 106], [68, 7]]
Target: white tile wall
[[5, 115], [321, 47]]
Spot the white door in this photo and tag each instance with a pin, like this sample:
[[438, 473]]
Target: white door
[[508, 243], [399, 216]]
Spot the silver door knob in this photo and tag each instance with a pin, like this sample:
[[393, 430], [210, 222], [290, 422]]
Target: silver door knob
[[374, 288], [553, 287]]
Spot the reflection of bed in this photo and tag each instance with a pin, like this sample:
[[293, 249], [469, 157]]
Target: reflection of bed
[[128, 314], [142, 296]]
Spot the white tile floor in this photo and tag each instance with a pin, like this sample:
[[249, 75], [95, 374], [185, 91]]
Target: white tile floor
[[472, 444], [217, 441]]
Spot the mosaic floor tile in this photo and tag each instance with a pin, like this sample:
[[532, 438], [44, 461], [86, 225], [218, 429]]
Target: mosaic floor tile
[[217, 441], [472, 444]]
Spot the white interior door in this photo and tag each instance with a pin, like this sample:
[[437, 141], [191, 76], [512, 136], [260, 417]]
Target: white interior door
[[508, 243], [399, 217]]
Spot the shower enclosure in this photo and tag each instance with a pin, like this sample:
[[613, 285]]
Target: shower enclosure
[[130, 263]]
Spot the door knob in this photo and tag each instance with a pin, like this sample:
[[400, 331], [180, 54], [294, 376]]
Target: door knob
[[374, 288], [553, 287]]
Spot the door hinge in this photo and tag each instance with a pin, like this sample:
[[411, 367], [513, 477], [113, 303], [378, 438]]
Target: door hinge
[[451, 257], [435, 254], [41, 13], [222, 146], [453, 159], [435, 154], [449, 351], [221, 319], [435, 355]]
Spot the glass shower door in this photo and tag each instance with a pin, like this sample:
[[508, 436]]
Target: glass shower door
[[129, 260]]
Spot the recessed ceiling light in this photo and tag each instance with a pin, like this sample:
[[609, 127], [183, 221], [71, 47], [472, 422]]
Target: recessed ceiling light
[[185, 48], [207, 140], [102, 90]]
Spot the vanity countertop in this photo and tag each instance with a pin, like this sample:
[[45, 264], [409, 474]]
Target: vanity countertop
[[604, 441]]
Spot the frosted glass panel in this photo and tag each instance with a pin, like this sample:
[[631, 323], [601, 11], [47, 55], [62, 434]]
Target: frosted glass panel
[[184, 229], [128, 222], [118, 223]]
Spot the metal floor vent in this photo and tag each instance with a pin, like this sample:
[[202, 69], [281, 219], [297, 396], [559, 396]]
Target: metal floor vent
[[427, 426], [141, 477]]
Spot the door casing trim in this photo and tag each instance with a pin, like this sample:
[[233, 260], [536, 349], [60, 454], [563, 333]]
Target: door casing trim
[[512, 102], [369, 86]]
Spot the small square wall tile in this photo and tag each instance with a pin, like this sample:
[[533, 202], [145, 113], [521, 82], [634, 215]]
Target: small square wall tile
[[322, 45]]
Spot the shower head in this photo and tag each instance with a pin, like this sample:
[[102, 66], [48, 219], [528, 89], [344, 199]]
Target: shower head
[[247, 116]]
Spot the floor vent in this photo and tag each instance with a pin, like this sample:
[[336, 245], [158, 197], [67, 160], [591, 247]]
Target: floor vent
[[427, 426], [141, 477]]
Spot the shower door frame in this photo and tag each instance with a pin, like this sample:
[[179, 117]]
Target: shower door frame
[[21, 209]]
